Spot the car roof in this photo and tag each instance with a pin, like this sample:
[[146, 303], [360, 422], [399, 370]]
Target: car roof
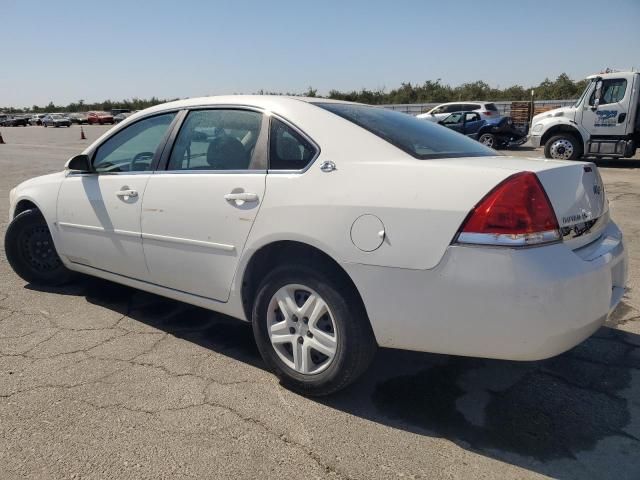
[[267, 102]]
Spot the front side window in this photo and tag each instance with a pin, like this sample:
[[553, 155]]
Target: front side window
[[453, 118], [133, 148], [217, 139], [420, 139], [612, 91], [288, 150]]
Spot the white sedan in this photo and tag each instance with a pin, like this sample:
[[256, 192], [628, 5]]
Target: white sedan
[[334, 228]]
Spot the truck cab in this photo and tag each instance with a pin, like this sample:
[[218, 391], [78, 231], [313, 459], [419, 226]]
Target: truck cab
[[603, 123]]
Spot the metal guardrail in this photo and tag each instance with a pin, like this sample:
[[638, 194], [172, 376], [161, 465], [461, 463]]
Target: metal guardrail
[[503, 107]]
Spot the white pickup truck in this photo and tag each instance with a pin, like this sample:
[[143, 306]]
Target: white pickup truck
[[604, 122]]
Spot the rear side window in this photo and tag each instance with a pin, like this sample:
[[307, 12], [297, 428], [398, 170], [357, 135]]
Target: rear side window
[[491, 107], [416, 137], [288, 150], [470, 106]]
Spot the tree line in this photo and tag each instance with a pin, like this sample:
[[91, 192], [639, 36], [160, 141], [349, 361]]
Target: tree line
[[431, 91]]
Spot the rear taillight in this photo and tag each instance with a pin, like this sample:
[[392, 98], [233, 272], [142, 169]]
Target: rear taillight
[[487, 113], [515, 213]]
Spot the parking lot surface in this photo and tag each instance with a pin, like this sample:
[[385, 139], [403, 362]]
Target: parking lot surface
[[99, 380]]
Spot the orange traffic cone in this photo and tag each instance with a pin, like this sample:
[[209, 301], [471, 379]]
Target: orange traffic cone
[[82, 135], [1, 139]]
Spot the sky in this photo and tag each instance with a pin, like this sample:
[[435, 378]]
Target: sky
[[63, 51]]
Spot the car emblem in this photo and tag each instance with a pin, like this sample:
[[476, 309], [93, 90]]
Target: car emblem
[[597, 189]]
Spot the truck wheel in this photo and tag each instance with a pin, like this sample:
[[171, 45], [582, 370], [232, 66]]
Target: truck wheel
[[31, 253], [488, 139], [311, 331], [563, 147]]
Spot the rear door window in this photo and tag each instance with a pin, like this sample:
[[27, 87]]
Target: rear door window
[[217, 139]]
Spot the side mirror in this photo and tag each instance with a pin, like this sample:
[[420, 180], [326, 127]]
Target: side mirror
[[79, 163], [441, 122]]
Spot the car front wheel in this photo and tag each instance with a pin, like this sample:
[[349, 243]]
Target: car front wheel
[[311, 330], [488, 139], [31, 252]]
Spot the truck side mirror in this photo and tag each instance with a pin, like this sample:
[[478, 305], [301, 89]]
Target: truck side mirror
[[79, 163]]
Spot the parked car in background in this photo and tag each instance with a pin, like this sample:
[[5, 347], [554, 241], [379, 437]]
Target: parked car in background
[[121, 116], [497, 133], [37, 118], [270, 209], [79, 118], [100, 118], [56, 120], [15, 121], [487, 110], [118, 111]]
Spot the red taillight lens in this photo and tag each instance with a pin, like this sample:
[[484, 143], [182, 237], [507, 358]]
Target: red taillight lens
[[516, 213], [487, 113]]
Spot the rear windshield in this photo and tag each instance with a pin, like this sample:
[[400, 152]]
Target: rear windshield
[[420, 138], [491, 106]]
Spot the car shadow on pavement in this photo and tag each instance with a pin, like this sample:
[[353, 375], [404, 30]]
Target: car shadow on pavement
[[573, 416]]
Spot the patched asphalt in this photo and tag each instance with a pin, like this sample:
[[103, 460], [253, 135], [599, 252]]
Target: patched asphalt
[[99, 380]]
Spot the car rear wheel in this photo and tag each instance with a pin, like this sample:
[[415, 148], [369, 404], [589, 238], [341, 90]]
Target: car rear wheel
[[311, 330], [31, 252], [563, 147]]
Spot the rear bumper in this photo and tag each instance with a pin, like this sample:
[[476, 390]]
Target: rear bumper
[[515, 304]]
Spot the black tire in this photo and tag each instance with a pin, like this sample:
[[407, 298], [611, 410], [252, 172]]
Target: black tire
[[576, 147], [31, 253], [356, 345], [489, 140]]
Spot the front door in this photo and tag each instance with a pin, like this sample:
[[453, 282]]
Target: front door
[[612, 114], [198, 211], [99, 212]]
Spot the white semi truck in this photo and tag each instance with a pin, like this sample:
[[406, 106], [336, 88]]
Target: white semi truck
[[604, 122]]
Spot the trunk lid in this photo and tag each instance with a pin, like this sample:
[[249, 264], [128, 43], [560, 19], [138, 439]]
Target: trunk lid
[[575, 190], [578, 197]]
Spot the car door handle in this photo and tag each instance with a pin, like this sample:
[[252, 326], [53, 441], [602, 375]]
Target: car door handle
[[126, 193], [241, 196]]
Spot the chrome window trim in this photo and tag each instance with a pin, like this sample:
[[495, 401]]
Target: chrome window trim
[[228, 172]]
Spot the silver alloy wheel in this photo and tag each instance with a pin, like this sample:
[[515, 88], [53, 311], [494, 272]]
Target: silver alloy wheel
[[302, 329], [487, 140], [561, 149]]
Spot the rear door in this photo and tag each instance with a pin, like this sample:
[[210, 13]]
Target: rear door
[[200, 205]]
